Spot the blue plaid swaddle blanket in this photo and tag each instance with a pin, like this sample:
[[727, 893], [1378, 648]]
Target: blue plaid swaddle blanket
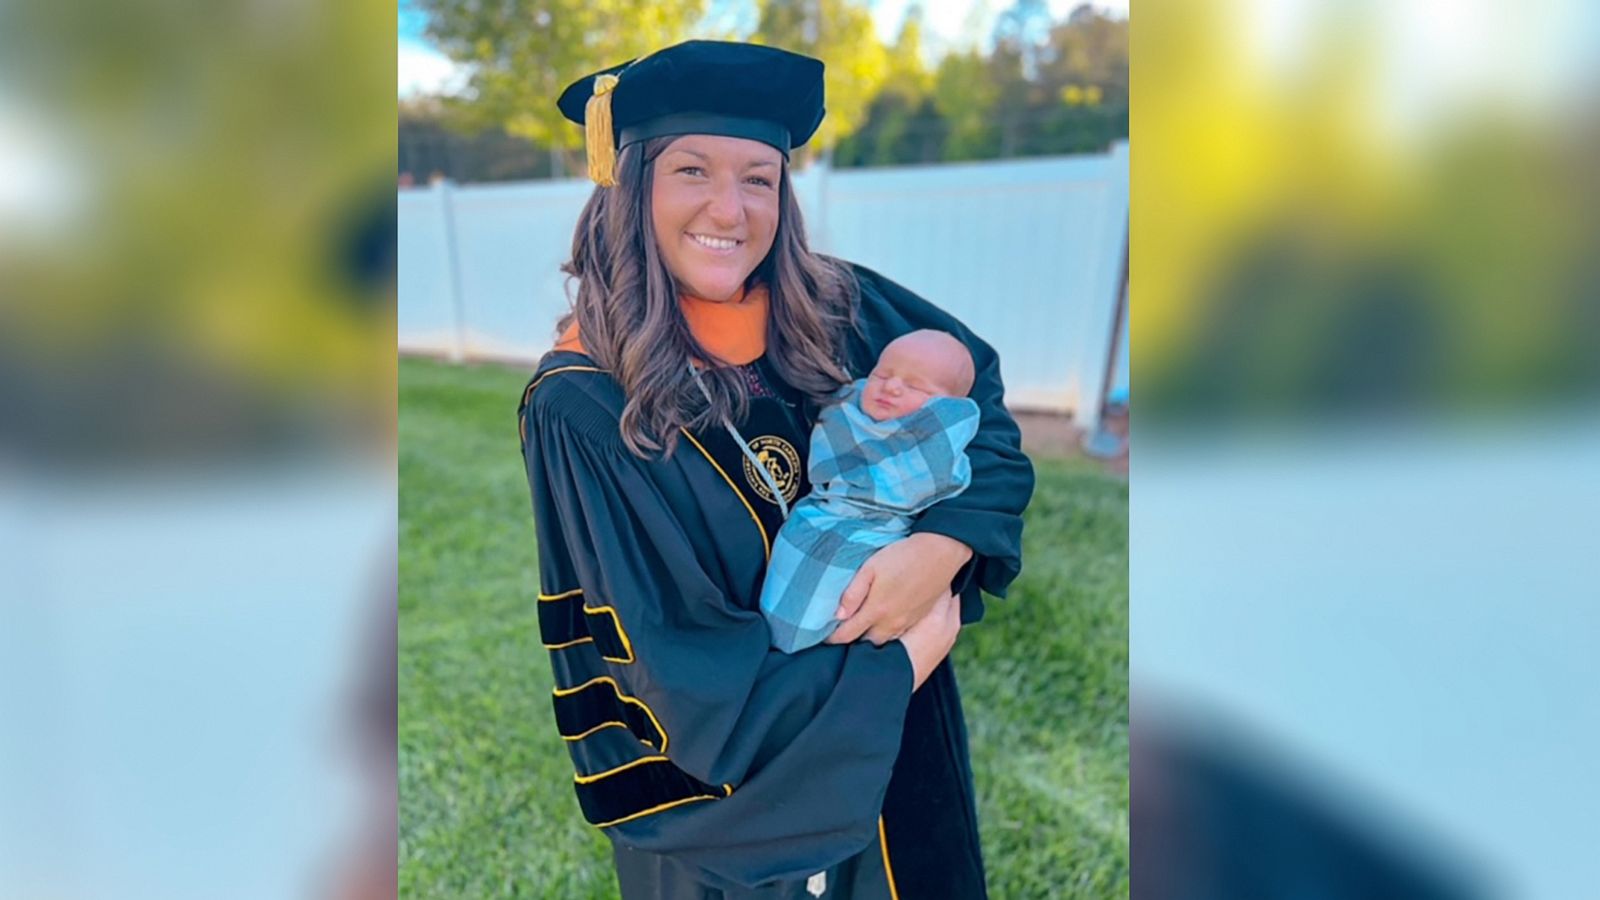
[[869, 479]]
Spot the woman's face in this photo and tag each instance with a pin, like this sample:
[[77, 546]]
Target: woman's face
[[714, 208]]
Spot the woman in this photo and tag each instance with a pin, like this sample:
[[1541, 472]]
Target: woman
[[664, 437]]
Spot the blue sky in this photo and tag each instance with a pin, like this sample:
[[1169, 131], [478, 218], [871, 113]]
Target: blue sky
[[424, 68]]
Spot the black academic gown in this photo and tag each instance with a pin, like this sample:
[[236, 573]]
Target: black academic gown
[[722, 768]]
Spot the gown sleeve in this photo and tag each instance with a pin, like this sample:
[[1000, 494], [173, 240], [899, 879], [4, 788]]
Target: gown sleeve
[[750, 763], [987, 516]]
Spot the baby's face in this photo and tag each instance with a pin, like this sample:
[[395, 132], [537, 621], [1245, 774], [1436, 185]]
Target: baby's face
[[903, 380]]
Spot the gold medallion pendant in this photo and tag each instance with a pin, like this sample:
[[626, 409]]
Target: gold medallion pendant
[[781, 461]]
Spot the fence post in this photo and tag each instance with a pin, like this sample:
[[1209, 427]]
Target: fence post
[[458, 350], [1100, 339]]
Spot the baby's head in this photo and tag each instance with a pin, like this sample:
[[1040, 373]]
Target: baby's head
[[913, 368]]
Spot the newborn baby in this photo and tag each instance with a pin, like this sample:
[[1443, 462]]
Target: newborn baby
[[893, 445]]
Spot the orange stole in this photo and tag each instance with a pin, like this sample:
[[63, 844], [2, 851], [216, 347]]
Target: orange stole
[[732, 330]]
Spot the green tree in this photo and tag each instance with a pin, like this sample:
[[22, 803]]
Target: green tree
[[1083, 80], [901, 125], [908, 75], [1088, 49], [840, 33], [1060, 88], [522, 53], [965, 95], [1014, 113]]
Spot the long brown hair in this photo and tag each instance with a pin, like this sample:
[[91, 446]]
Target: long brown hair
[[626, 307]]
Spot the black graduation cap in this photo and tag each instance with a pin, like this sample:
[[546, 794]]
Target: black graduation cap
[[697, 87]]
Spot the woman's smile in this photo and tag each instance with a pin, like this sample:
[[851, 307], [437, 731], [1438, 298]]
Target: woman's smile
[[716, 245]]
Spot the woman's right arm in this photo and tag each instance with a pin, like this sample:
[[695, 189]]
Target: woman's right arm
[[751, 763]]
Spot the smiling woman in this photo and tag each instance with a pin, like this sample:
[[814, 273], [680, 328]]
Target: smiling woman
[[665, 438]]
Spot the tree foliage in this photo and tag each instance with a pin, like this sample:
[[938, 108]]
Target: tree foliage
[[840, 33], [1040, 87], [965, 96], [522, 53], [901, 124]]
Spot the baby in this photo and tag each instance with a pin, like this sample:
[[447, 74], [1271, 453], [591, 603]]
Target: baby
[[891, 447]]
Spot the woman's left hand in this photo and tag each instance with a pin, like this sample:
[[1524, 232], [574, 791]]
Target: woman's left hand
[[897, 586]]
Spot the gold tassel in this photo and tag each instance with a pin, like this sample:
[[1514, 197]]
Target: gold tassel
[[597, 133]]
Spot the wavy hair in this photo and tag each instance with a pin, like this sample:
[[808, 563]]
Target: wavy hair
[[626, 307]]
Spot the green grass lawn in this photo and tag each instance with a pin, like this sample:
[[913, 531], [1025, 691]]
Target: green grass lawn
[[486, 801]]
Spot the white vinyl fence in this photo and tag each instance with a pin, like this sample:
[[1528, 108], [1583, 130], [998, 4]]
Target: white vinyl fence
[[1029, 253]]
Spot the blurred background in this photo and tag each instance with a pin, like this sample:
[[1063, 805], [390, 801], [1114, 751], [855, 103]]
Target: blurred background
[[908, 81], [197, 478], [1367, 486]]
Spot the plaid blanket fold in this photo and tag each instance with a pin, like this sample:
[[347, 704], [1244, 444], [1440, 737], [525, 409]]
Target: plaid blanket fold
[[869, 481]]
